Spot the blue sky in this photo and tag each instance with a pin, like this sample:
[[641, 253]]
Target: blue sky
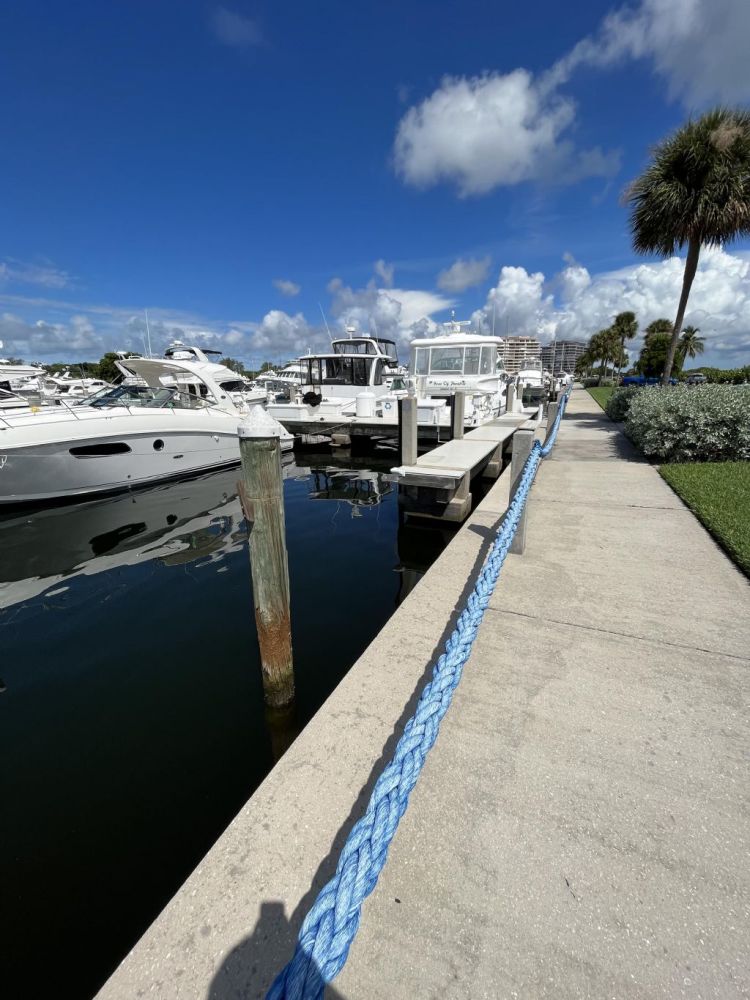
[[387, 161]]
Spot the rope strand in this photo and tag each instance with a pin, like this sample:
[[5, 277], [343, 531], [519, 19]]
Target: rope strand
[[332, 922]]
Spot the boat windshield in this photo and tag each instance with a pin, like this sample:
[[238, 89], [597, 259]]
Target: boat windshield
[[469, 359], [145, 396], [366, 345], [344, 371]]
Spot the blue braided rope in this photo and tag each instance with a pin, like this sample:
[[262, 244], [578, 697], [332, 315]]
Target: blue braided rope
[[331, 924]]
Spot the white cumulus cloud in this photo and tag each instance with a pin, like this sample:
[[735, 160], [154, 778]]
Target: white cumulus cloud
[[491, 130], [288, 288], [496, 129], [463, 274], [385, 272], [574, 304]]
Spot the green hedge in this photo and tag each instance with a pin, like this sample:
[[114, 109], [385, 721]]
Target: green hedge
[[619, 402], [708, 423]]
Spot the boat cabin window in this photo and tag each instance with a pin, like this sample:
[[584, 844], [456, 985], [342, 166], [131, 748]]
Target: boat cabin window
[[470, 360], [342, 371], [233, 385], [353, 347], [366, 345]]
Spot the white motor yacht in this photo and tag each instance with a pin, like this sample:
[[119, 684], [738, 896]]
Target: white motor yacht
[[461, 361], [178, 423], [57, 389], [15, 376], [11, 402], [233, 385]]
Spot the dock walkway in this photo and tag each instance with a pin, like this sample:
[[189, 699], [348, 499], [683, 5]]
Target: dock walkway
[[580, 829]]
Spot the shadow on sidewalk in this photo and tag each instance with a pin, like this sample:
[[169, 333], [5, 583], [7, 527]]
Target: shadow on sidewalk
[[249, 969]]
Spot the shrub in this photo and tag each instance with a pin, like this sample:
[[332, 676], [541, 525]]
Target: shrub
[[619, 402], [708, 423], [590, 383], [723, 376]]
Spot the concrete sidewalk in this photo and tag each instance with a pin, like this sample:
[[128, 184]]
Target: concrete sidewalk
[[580, 829]]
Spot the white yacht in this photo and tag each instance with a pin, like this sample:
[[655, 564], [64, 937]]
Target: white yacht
[[461, 361], [12, 402], [57, 389], [15, 376], [336, 386], [236, 387], [179, 422], [532, 384]]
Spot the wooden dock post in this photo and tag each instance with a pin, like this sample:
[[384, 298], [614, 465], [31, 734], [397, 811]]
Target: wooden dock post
[[261, 492], [551, 417], [407, 429], [458, 411], [523, 441]]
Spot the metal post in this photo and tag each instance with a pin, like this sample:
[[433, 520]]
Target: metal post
[[261, 492], [407, 429], [458, 409], [523, 441], [551, 417]]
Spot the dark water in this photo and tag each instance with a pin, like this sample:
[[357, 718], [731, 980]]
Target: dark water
[[132, 725]]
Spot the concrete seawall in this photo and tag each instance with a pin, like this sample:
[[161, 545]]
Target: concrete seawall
[[580, 829]]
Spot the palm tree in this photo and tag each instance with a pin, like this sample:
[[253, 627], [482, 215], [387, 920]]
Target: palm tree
[[695, 192], [625, 327], [658, 326], [690, 343], [604, 346]]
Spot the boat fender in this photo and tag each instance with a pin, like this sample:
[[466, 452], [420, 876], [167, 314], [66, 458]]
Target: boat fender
[[312, 399]]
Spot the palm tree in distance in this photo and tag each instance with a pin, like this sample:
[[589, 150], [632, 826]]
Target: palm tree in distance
[[657, 326], [694, 193], [690, 343], [625, 327]]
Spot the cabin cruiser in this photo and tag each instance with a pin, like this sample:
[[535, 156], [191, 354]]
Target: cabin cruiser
[[57, 389], [177, 423], [16, 376], [355, 343], [12, 402], [460, 361], [336, 387], [532, 383], [231, 385]]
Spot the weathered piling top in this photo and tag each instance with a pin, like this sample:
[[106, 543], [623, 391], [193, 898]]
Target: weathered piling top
[[580, 828]]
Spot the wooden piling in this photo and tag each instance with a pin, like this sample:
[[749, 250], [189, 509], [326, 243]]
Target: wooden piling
[[551, 417], [510, 397], [523, 441], [458, 411], [261, 491], [407, 430]]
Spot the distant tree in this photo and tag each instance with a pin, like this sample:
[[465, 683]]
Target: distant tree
[[108, 370], [267, 366], [694, 193], [231, 363], [625, 327], [653, 355], [691, 344], [658, 326], [16, 361], [605, 346]]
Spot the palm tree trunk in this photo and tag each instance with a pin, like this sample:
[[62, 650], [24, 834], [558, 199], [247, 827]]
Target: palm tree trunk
[[691, 266]]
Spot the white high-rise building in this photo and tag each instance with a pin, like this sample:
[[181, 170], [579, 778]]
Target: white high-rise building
[[566, 354], [517, 349]]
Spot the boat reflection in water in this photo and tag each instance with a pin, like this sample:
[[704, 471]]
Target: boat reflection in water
[[195, 520], [132, 724]]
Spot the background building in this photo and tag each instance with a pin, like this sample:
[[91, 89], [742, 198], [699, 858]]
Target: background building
[[566, 354], [517, 349]]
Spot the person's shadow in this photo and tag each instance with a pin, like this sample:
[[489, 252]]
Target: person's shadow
[[251, 967]]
